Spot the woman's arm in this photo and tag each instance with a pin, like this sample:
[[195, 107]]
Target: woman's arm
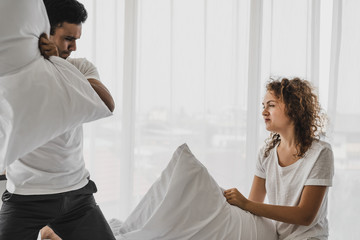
[[258, 190], [302, 214]]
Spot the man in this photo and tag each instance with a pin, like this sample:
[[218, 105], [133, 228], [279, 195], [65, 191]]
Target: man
[[51, 186]]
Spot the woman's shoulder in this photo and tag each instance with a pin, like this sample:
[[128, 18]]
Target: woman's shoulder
[[265, 157], [319, 148], [320, 145]]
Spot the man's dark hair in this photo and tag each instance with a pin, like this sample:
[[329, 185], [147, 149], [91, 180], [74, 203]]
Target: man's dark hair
[[60, 11]]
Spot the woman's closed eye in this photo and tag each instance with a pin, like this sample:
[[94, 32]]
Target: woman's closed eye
[[269, 105]]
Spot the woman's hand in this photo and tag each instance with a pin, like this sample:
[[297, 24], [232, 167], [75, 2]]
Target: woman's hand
[[234, 197]]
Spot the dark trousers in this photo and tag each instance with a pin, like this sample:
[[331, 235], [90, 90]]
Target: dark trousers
[[72, 215]]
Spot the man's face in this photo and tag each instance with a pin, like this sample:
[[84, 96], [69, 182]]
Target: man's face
[[65, 38]]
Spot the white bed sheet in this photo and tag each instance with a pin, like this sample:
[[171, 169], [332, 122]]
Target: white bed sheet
[[187, 203]]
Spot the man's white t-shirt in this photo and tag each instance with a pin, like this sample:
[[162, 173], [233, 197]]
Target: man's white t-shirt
[[57, 166], [284, 186]]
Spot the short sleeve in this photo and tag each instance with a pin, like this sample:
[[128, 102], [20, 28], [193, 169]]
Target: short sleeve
[[259, 169], [85, 67], [323, 170]]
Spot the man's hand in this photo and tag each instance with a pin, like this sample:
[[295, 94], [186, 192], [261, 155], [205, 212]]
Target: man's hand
[[47, 48]]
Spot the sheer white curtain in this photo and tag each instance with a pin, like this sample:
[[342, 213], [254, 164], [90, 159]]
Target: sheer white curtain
[[194, 71], [344, 88]]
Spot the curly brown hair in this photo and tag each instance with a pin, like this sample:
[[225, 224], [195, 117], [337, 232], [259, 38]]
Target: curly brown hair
[[302, 107]]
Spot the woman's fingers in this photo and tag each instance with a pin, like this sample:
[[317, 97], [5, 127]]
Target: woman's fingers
[[233, 197]]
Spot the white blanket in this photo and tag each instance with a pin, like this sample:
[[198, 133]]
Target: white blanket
[[186, 203]]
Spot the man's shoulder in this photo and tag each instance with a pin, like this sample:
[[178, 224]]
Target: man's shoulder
[[78, 61], [86, 67]]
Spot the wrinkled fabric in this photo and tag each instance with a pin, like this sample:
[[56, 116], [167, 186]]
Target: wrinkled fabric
[[39, 99], [187, 203]]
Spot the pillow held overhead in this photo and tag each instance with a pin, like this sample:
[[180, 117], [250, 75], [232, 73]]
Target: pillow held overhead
[[39, 99]]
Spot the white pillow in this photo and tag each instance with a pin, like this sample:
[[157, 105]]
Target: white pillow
[[21, 23], [187, 203], [39, 99]]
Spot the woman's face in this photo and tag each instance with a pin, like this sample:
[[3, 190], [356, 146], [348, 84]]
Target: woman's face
[[276, 120]]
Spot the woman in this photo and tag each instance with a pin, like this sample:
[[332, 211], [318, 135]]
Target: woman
[[295, 168]]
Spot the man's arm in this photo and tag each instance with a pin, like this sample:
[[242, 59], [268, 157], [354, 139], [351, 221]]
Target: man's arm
[[103, 93], [48, 49]]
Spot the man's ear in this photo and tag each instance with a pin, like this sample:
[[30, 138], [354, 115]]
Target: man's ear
[[53, 28]]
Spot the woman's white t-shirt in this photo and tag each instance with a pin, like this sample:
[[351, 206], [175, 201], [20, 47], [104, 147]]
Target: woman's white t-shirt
[[284, 186], [57, 166]]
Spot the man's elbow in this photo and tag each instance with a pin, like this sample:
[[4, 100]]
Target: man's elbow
[[111, 106], [107, 99]]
